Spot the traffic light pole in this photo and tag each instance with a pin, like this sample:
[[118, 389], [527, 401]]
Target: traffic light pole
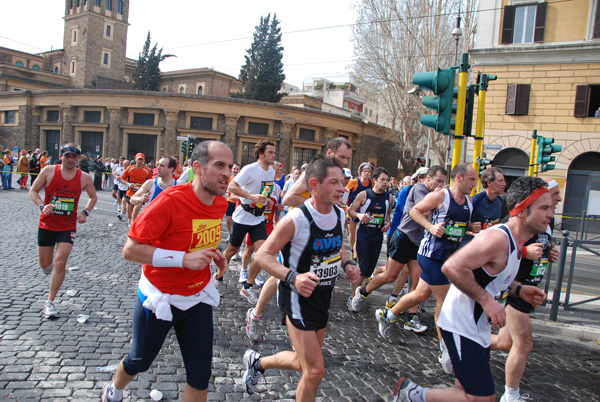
[[536, 166], [480, 129], [463, 78], [533, 154]]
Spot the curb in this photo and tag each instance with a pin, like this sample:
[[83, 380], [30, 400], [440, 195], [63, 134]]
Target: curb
[[574, 332]]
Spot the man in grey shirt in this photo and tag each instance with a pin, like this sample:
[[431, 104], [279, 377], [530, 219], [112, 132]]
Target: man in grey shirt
[[403, 247]]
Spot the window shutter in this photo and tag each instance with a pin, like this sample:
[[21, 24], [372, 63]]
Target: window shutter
[[581, 100], [511, 99], [596, 34], [540, 22], [522, 103], [508, 25]]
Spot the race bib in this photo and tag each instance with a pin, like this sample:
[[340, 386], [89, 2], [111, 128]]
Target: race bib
[[63, 205], [456, 231], [488, 224], [539, 268], [501, 298], [376, 221], [327, 268]]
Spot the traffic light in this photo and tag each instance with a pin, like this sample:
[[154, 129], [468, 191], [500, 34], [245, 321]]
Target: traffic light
[[483, 164], [468, 126], [545, 151], [191, 146], [184, 147], [441, 82]]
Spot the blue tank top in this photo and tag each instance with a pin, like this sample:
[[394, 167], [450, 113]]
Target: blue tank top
[[156, 189], [457, 218], [359, 188], [377, 205]]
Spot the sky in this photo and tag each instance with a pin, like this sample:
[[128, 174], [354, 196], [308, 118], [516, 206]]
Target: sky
[[213, 34]]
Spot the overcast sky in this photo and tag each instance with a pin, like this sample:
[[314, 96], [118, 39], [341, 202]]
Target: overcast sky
[[213, 34]]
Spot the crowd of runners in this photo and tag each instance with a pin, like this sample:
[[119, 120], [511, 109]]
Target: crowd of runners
[[481, 257]]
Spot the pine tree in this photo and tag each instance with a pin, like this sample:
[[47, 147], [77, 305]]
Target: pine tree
[[262, 73], [147, 72]]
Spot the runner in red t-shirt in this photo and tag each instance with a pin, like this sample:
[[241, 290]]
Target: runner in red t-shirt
[[135, 176], [175, 239], [58, 223]]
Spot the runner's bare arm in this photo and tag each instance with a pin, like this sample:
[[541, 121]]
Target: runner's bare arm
[[36, 187], [143, 193], [388, 220], [358, 202], [235, 188], [144, 254], [87, 183], [430, 202], [265, 257], [294, 196]]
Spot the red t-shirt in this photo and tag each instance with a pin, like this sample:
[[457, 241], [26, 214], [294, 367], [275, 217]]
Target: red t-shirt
[[137, 176], [177, 220], [64, 195]]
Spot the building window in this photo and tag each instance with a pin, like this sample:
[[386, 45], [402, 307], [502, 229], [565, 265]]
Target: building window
[[181, 90], [517, 99], [524, 24], [52, 115], [78, 1], [199, 89], [97, 3], [9, 117], [74, 37], [73, 67], [105, 59], [201, 123], [35, 67], [302, 155], [108, 33], [306, 134], [587, 100], [119, 6], [92, 116], [55, 70], [19, 64], [258, 128], [164, 89], [71, 4], [109, 5], [143, 119], [248, 153]]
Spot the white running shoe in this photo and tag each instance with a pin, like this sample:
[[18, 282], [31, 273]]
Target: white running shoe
[[252, 326], [406, 389], [243, 276], [251, 375], [414, 324], [249, 294], [259, 281], [444, 359], [49, 310], [357, 301]]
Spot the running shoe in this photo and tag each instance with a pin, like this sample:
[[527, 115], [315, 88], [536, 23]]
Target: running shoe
[[444, 359], [423, 308], [391, 303], [259, 281], [414, 324], [358, 300], [252, 326], [236, 257], [116, 203], [251, 375], [120, 216], [249, 294], [49, 310], [382, 322], [106, 392], [520, 398], [349, 303], [48, 269], [243, 276], [406, 390]]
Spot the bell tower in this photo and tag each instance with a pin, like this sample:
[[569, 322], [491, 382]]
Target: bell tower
[[95, 41]]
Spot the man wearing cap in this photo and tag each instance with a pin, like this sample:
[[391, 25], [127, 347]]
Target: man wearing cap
[[22, 167], [63, 185], [483, 273], [355, 186], [516, 337], [403, 245], [134, 177]]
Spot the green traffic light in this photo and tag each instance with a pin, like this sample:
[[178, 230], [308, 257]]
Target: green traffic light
[[441, 82]]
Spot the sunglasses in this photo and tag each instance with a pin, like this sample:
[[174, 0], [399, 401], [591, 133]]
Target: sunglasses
[[70, 150]]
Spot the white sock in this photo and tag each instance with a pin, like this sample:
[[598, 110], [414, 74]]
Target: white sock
[[418, 394], [390, 315], [255, 317], [511, 393], [392, 298], [114, 394]]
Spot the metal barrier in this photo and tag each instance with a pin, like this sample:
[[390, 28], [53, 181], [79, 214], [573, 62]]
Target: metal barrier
[[565, 243]]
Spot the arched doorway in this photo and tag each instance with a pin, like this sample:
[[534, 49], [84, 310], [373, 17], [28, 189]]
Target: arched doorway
[[514, 163], [582, 192]]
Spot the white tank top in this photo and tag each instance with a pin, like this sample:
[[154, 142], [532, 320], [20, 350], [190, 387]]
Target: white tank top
[[464, 316]]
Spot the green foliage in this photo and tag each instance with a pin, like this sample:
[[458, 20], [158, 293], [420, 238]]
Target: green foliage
[[147, 72], [262, 73]]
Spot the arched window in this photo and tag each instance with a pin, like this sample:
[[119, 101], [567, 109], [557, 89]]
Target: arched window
[[164, 89], [181, 90], [19, 64], [199, 89], [55, 70], [35, 67]]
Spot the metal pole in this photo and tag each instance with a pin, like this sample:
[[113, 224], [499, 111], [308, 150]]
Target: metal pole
[[460, 110], [559, 275], [532, 157]]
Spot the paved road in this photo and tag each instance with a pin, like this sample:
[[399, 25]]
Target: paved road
[[58, 360]]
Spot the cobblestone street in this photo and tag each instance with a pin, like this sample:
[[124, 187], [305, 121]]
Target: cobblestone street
[[58, 360]]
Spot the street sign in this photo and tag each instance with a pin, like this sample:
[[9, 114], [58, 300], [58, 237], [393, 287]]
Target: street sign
[[180, 138], [492, 147], [191, 137]]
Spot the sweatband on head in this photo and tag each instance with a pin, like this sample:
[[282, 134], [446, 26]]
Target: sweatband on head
[[552, 184], [520, 207], [167, 258]]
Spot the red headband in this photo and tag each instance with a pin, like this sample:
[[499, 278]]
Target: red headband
[[520, 207]]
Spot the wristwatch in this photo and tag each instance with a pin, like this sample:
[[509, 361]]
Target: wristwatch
[[86, 212], [42, 207]]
